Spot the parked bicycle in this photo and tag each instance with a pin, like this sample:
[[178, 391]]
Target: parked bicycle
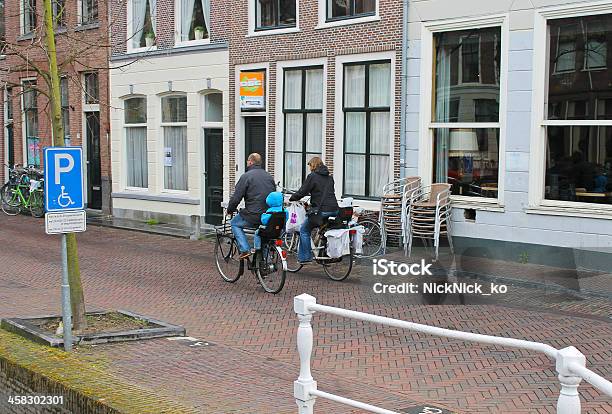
[[268, 264], [23, 192]]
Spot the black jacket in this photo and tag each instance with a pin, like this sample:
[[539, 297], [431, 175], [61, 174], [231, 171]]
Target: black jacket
[[254, 186], [315, 186]]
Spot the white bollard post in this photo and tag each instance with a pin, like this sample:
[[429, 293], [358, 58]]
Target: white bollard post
[[569, 400], [305, 384]]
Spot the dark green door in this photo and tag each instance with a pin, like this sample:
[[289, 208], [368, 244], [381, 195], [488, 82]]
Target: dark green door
[[213, 175], [255, 134], [94, 165]]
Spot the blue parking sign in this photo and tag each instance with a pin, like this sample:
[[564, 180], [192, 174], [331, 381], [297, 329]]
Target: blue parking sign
[[63, 179]]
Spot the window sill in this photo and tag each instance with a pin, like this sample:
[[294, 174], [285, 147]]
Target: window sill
[[87, 26], [347, 22], [486, 204], [26, 36], [272, 32], [164, 198], [584, 210], [142, 49], [187, 43]]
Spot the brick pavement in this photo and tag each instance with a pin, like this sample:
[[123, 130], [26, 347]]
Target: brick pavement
[[251, 366]]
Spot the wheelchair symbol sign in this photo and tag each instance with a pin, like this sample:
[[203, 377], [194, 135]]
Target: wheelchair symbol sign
[[64, 179]]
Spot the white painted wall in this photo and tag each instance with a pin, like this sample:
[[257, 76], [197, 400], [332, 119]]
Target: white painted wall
[[188, 73], [516, 219]]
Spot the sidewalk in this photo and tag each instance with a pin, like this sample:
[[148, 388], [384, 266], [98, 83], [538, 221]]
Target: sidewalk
[[251, 361]]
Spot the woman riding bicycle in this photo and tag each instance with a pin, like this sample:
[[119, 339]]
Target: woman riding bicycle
[[320, 186]]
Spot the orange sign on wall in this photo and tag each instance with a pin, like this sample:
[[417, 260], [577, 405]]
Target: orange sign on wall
[[252, 90]]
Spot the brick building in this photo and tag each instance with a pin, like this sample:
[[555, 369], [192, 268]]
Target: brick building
[[327, 83], [82, 37], [169, 119]]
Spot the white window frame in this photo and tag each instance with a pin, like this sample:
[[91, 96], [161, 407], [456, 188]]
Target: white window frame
[[338, 154], [538, 204], [252, 24], [22, 16], [80, 14], [203, 122], [323, 23], [24, 144], [427, 126], [130, 30], [178, 42], [124, 143], [279, 162], [161, 146]]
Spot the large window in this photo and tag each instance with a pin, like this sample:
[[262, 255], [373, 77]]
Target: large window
[[174, 124], [28, 16], [466, 90], [346, 9], [136, 142], [30, 115], [194, 20], [89, 11], [65, 109], [142, 23], [579, 102], [303, 111], [367, 128], [274, 14]]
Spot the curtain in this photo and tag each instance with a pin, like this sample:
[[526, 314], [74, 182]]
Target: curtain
[[206, 9], [442, 136], [314, 89], [175, 176], [380, 85], [137, 167], [354, 180], [314, 132], [139, 8], [153, 5], [293, 134], [293, 89], [293, 170], [186, 17], [355, 132], [354, 86], [379, 132], [379, 174]]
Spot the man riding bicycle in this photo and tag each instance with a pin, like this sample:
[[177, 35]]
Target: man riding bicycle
[[254, 186]]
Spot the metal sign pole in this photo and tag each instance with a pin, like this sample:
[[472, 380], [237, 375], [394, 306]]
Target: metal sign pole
[[66, 308]]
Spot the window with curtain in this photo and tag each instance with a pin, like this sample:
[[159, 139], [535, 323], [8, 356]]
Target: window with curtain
[[143, 22], [28, 16], [89, 11], [466, 90], [135, 120], [92, 89], [174, 124], [367, 128], [194, 19], [274, 14], [579, 110], [30, 115], [303, 112], [347, 9], [65, 109]]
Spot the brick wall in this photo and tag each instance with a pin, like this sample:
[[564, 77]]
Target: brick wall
[[309, 42], [90, 46]]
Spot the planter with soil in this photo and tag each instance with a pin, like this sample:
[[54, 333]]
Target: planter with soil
[[103, 327]]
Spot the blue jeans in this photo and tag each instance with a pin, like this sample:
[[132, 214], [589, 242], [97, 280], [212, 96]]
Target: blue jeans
[[304, 248], [257, 241], [238, 224]]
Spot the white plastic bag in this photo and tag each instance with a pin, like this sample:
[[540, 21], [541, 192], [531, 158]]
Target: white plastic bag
[[338, 242], [297, 215], [358, 239]]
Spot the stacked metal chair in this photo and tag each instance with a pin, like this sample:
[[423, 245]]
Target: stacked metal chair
[[393, 210], [429, 215]]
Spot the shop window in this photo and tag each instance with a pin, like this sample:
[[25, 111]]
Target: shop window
[[303, 112], [466, 90], [274, 14], [135, 120]]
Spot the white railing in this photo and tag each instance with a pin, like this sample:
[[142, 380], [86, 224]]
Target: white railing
[[570, 363]]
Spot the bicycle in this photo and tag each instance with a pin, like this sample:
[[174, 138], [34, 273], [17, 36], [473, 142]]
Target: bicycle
[[372, 235], [23, 192], [268, 264]]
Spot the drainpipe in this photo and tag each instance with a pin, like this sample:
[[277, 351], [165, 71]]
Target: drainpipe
[[404, 81]]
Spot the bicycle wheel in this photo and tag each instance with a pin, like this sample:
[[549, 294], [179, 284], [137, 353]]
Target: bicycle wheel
[[339, 269], [372, 239], [9, 200], [269, 270], [292, 242], [37, 204], [229, 265]]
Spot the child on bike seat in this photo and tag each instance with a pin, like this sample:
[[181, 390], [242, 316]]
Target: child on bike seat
[[275, 204]]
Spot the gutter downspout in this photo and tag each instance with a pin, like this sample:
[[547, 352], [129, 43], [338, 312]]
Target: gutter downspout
[[404, 86]]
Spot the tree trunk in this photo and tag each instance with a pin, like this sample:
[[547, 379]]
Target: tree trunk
[[74, 274]]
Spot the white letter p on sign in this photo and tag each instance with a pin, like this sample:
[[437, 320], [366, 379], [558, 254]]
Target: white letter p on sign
[[59, 169]]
